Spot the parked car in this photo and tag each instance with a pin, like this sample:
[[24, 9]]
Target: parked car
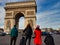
[[58, 33], [51, 33], [2, 33], [44, 33]]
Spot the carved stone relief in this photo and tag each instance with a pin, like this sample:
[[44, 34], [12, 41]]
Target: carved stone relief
[[8, 24]]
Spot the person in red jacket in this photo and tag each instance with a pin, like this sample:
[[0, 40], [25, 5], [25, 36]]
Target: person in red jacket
[[37, 33]]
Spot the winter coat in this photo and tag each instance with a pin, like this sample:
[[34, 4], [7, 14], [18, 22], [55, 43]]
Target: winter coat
[[28, 31], [49, 40], [14, 32], [37, 39]]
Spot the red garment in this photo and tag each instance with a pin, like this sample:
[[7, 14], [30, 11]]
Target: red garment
[[37, 39]]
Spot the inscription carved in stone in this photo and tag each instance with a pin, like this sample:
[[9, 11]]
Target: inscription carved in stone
[[8, 24]]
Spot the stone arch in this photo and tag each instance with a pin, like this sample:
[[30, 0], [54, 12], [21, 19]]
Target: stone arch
[[17, 16], [16, 10]]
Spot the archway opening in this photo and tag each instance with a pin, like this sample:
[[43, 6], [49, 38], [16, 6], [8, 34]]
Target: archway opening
[[21, 23], [19, 20]]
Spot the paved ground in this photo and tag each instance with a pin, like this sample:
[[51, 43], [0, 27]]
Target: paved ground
[[5, 40]]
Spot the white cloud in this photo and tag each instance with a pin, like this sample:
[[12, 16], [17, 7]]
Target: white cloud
[[1, 0], [44, 21], [2, 15], [57, 5], [45, 13], [42, 17]]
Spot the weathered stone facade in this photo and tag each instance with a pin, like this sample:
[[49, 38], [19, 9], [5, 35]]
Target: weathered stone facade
[[16, 10]]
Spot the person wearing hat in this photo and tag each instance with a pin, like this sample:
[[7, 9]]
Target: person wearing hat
[[37, 38]]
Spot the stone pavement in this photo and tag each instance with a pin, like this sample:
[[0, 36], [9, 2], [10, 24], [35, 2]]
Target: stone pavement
[[5, 40]]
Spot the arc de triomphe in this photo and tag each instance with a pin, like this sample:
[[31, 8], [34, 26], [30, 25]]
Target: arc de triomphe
[[16, 10]]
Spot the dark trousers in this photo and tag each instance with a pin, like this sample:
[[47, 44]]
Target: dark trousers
[[13, 40], [22, 41], [29, 40]]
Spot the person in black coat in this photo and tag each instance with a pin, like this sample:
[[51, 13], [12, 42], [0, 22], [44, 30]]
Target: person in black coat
[[49, 40], [28, 31]]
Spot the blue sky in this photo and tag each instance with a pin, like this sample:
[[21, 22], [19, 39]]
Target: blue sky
[[48, 13]]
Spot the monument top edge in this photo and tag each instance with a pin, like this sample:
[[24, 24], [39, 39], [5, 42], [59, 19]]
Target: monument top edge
[[19, 2]]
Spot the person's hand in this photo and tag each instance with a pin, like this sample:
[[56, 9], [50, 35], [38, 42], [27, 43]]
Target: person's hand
[[33, 37]]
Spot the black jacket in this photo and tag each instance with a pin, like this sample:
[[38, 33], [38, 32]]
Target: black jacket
[[28, 31], [49, 40]]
